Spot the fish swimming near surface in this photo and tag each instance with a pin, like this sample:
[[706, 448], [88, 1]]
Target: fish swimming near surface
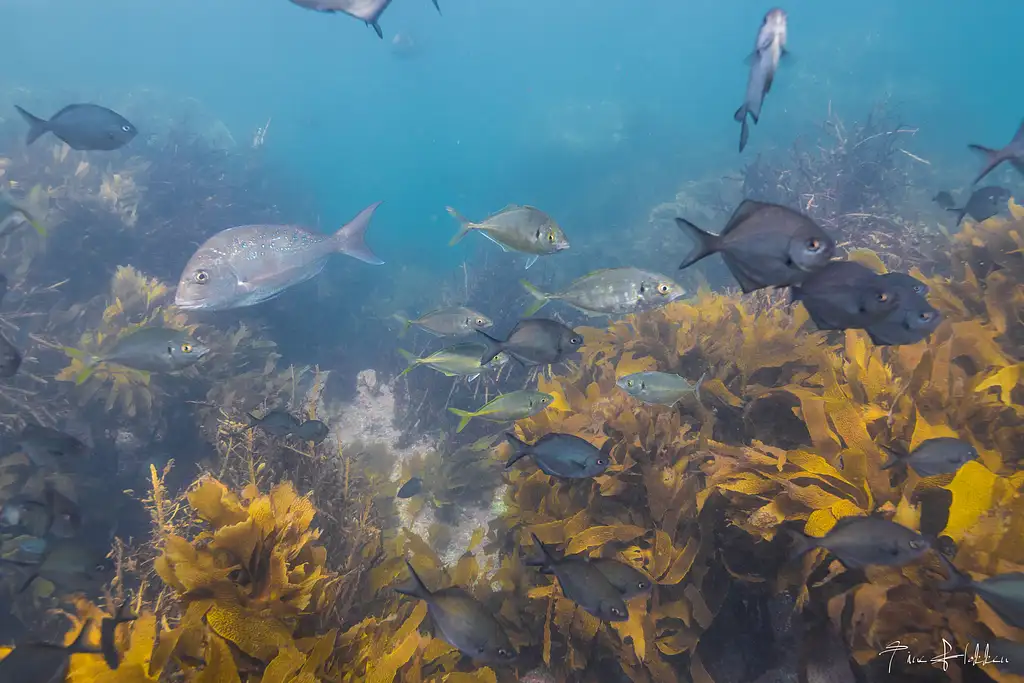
[[447, 322], [509, 407], [1013, 152], [763, 245], [535, 341], [845, 295], [612, 291], [149, 349], [659, 388], [312, 430], [85, 127], [562, 455], [410, 488], [276, 422], [859, 542], [932, 457], [983, 203], [583, 583], [525, 229], [463, 621], [44, 445], [249, 264], [764, 62], [912, 321], [457, 360], [368, 11], [43, 662]]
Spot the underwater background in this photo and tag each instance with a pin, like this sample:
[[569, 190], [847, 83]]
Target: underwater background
[[614, 119]]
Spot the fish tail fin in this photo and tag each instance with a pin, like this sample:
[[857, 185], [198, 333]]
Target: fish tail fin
[[80, 645], [802, 543], [437, 6], [36, 125], [494, 347], [350, 239], [696, 387], [541, 298], [957, 580], [894, 459], [744, 133], [548, 556], [465, 226], [376, 28], [406, 324], [88, 360], [418, 589], [704, 242], [412, 360], [519, 449], [993, 157], [465, 415]]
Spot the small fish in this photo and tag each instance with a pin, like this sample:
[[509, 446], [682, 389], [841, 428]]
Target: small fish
[[458, 360], [913, 320], [1004, 593], [71, 563], [150, 349], [276, 422], [249, 264], [845, 295], [43, 444], [369, 11], [108, 634], [627, 579], [769, 49], [10, 358], [659, 388], [518, 228], [447, 322], [1013, 152], [561, 455], [30, 209], [983, 203], [55, 515], [763, 245], [535, 341], [463, 622], [507, 408], [612, 291], [944, 199], [82, 127], [312, 430], [583, 583], [862, 541], [941, 455], [43, 662], [410, 488]]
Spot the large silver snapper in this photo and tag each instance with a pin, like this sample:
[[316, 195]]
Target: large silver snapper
[[248, 264]]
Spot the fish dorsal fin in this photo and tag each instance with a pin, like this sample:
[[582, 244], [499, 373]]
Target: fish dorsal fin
[[745, 210], [844, 522], [1018, 138], [506, 209]]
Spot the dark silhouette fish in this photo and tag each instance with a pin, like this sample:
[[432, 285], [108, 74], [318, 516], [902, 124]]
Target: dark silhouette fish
[[43, 445], [1004, 593], [561, 455], [769, 49], [913, 320], [1013, 152], [108, 634], [941, 455], [583, 583], [410, 488], [276, 422], [83, 127], [312, 430], [944, 199], [845, 295], [534, 341], [862, 541], [367, 10], [42, 662], [983, 203]]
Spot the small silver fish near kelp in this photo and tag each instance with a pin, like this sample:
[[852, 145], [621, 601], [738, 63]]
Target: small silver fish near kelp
[[764, 62], [659, 388], [83, 127], [149, 349], [612, 291], [932, 457], [525, 229], [859, 542], [447, 322], [535, 341], [763, 245], [457, 360], [509, 407], [562, 455]]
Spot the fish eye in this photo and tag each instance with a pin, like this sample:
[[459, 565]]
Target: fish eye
[[576, 340], [629, 382], [186, 347], [642, 585], [505, 653], [926, 316], [602, 462], [814, 244], [663, 288], [551, 237], [616, 612], [915, 545], [883, 297], [201, 277], [126, 128], [481, 322]]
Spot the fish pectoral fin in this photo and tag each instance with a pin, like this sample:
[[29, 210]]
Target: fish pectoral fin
[[531, 261]]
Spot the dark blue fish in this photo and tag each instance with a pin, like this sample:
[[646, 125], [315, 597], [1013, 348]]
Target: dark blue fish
[[561, 455], [410, 488], [941, 455], [312, 430], [534, 341], [83, 127], [913, 320], [276, 422], [863, 541], [108, 634], [42, 662], [983, 203], [1013, 152], [627, 579], [583, 583], [1004, 593], [846, 295]]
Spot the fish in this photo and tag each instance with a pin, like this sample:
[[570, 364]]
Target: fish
[[71, 563], [446, 322], [845, 295], [983, 203], [627, 579], [312, 430], [30, 209], [535, 341], [249, 264], [904, 282], [859, 542], [84, 127], [1008, 656], [944, 199], [583, 583], [509, 407], [1004, 593], [612, 291], [108, 634], [1013, 152], [659, 388], [43, 662], [149, 349], [369, 11], [769, 49], [932, 457], [463, 621], [43, 445], [275, 422], [913, 320], [525, 229], [410, 488], [561, 455], [55, 515], [10, 358], [458, 360], [763, 245]]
